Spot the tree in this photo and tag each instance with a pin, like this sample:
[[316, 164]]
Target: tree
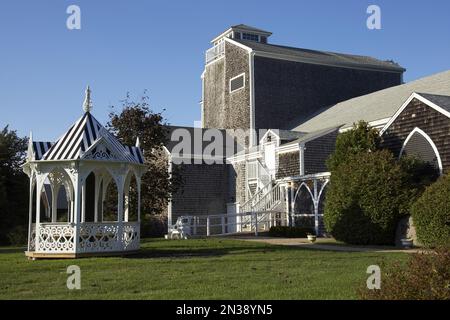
[[13, 184], [431, 214], [361, 138], [368, 194], [136, 119]]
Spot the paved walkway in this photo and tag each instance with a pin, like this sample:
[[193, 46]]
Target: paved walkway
[[324, 244]]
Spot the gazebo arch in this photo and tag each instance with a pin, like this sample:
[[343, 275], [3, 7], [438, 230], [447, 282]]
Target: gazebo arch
[[83, 161]]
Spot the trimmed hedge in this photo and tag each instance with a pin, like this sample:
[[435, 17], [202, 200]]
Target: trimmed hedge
[[431, 214], [290, 232]]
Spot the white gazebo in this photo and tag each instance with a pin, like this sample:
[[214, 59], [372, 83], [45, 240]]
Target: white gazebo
[[70, 183]]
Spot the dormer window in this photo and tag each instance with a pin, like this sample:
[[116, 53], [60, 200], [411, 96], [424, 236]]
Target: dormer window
[[250, 36]]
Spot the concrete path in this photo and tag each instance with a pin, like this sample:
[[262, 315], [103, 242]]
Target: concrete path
[[324, 244]]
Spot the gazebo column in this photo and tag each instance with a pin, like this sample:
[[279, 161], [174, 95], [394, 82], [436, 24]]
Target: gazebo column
[[77, 210], [83, 201], [38, 212], [30, 211], [55, 190], [127, 204], [98, 180], [120, 212], [138, 183]]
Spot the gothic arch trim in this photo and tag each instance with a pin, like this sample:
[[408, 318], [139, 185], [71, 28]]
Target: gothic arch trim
[[430, 141]]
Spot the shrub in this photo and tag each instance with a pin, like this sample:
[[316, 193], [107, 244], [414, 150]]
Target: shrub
[[153, 226], [431, 214], [368, 194], [290, 232], [426, 276], [362, 138], [18, 236]]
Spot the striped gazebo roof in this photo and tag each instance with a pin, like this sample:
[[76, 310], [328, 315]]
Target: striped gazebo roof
[[82, 137]]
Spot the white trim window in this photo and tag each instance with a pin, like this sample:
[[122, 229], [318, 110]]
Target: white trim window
[[237, 83]]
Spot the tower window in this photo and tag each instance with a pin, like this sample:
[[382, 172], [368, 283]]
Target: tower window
[[237, 83], [250, 36]]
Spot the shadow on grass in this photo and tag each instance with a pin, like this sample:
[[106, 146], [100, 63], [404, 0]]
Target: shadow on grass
[[153, 253], [12, 250]]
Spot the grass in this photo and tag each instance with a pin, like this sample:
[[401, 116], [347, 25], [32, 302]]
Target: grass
[[194, 269]]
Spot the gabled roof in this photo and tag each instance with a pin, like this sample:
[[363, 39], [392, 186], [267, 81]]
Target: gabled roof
[[84, 134], [379, 105], [320, 57], [440, 100]]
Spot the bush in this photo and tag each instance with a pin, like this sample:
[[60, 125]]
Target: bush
[[426, 276], [18, 236], [362, 138], [368, 194], [153, 226], [290, 232], [431, 214]]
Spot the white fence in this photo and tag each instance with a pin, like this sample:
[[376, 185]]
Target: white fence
[[225, 224]]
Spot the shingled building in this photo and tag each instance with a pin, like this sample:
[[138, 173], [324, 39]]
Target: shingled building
[[294, 102]]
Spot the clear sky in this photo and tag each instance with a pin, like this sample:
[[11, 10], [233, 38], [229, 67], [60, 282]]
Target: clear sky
[[129, 46]]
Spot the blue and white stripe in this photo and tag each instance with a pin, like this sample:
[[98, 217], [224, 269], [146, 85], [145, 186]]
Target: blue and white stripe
[[81, 136]]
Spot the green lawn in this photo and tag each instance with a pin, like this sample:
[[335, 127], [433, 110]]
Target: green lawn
[[194, 269]]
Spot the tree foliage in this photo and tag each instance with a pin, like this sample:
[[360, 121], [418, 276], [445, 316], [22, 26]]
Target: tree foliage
[[368, 193], [136, 119], [431, 214], [13, 183], [370, 190], [361, 138]]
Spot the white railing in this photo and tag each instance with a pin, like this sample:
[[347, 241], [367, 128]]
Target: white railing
[[109, 237], [54, 238], [224, 224], [248, 205], [215, 52], [264, 176], [92, 237], [270, 200], [265, 199]]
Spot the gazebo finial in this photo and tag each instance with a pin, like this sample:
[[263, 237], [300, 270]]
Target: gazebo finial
[[87, 104]]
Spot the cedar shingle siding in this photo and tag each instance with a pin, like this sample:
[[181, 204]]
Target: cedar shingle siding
[[317, 152], [222, 109], [432, 122], [288, 165], [288, 92], [204, 191]]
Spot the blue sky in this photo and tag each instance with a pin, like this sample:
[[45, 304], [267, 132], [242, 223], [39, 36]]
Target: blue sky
[[159, 45]]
